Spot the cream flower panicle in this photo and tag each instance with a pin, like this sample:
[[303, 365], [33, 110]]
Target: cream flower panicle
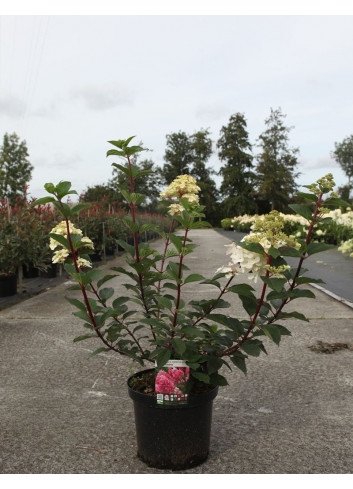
[[60, 255], [183, 187], [248, 262], [175, 209], [61, 229], [267, 234], [183, 184]]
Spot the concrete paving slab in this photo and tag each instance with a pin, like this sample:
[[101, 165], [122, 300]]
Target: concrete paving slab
[[63, 411]]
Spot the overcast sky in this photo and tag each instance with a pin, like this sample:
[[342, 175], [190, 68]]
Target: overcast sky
[[68, 84]]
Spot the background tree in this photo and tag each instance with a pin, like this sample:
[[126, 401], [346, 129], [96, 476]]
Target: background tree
[[276, 163], [178, 156], [15, 168], [101, 193], [343, 154], [201, 146], [237, 188]]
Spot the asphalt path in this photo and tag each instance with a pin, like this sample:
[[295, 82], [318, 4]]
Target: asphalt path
[[332, 266]]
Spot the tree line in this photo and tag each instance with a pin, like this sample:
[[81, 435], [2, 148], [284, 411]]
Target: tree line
[[249, 183]]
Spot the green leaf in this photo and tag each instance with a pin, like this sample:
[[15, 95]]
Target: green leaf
[[75, 302], [119, 143], [217, 379], [288, 251], [232, 323], [133, 226], [302, 211], [105, 279], [214, 364], [43, 200], [106, 293], [238, 359], [79, 207], [272, 332], [200, 225], [115, 152], [194, 277], [60, 239], [177, 242], [201, 376], [275, 283], [63, 208], [164, 302], [336, 202], [308, 280], [252, 347], [254, 247], [249, 304], [173, 270], [294, 314], [296, 293], [282, 294], [284, 331], [137, 198], [242, 289], [84, 337], [318, 247], [170, 285], [63, 189], [124, 169], [49, 187], [99, 350], [163, 356], [306, 196], [274, 252], [117, 303], [86, 278], [178, 345]]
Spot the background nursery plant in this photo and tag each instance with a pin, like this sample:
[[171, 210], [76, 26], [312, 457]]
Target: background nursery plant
[[156, 321]]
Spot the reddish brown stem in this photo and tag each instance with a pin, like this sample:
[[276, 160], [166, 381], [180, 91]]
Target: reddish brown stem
[[223, 291], [84, 293], [300, 263], [135, 236], [181, 256]]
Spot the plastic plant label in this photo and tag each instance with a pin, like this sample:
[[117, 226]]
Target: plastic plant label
[[170, 383]]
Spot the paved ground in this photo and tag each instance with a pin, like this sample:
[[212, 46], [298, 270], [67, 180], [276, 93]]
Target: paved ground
[[63, 411]]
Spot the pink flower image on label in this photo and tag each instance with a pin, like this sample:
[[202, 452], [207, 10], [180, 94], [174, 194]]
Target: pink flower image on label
[[169, 382]]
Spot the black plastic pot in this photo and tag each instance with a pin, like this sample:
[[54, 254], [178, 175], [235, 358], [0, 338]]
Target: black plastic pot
[[29, 271], [8, 285], [172, 437], [95, 257], [49, 272]]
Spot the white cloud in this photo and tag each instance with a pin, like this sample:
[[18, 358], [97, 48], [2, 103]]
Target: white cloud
[[319, 163], [103, 97], [212, 111], [12, 106]]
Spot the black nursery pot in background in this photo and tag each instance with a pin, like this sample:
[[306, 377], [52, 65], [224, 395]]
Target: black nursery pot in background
[[50, 271], [30, 271], [172, 437], [8, 285]]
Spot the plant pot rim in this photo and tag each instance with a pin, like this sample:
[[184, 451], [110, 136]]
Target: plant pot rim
[[151, 400]]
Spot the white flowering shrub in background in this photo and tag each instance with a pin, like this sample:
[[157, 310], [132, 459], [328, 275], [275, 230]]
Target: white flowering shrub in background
[[335, 228]]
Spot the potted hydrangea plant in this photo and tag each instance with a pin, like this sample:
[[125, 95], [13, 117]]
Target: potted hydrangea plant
[[187, 343]]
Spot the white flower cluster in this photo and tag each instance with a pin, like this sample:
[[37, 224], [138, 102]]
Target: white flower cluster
[[347, 247], [244, 261], [61, 254], [268, 234], [185, 187]]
